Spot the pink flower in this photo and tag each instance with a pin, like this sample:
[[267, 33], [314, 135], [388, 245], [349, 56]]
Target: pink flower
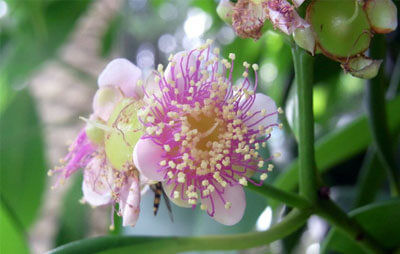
[[284, 16], [203, 133], [103, 184], [249, 16]]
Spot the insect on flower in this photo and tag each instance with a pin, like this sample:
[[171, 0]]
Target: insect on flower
[[203, 133], [158, 192]]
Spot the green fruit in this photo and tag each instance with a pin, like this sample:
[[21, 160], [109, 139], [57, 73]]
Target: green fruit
[[341, 27], [126, 131]]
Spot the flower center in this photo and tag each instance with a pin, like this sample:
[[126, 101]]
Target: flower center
[[209, 130]]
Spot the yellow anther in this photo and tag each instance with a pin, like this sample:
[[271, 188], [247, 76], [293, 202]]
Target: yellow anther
[[163, 163], [172, 164], [243, 181], [176, 194], [280, 110], [277, 155], [203, 207], [167, 148], [228, 205], [255, 67], [263, 176], [260, 164], [232, 56]]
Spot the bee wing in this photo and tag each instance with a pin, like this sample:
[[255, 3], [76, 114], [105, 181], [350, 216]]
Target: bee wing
[[168, 203]]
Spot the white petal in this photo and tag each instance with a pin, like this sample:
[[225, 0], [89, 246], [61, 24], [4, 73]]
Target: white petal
[[131, 205], [147, 157], [96, 184], [228, 216], [261, 102], [105, 100], [123, 74]]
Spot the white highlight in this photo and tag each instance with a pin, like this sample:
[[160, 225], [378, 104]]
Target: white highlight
[[167, 43], [265, 220], [313, 249], [197, 23], [268, 72], [3, 9]]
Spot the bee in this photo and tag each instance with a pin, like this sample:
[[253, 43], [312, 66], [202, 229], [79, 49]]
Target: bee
[[158, 191]]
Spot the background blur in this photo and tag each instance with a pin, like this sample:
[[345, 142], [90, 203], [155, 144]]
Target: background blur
[[52, 51]]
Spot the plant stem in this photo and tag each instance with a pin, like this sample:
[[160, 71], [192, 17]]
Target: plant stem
[[131, 244], [303, 66], [290, 199], [350, 227], [378, 120]]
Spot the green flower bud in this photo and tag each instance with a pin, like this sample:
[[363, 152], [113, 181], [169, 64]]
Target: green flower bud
[[341, 27], [95, 134], [362, 67], [305, 39], [125, 132], [225, 10], [382, 15]]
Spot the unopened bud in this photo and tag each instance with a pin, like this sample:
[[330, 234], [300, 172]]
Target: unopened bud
[[382, 14], [363, 67], [225, 10]]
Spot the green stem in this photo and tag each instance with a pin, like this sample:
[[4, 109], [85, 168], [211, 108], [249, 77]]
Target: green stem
[[131, 244], [378, 119], [290, 199], [303, 66], [350, 227]]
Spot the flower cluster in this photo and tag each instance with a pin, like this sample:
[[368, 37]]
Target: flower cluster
[[188, 126]]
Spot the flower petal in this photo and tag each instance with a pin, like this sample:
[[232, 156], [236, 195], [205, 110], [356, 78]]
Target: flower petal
[[147, 157], [123, 74], [237, 198], [261, 102], [130, 201], [183, 61], [96, 186], [105, 100]]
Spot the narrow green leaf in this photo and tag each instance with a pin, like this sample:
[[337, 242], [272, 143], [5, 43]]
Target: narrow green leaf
[[22, 162], [12, 238], [130, 244], [381, 220], [339, 146]]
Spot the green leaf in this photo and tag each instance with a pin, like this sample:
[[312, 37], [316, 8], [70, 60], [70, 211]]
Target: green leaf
[[22, 162], [381, 221], [73, 222], [12, 238], [339, 146], [31, 43]]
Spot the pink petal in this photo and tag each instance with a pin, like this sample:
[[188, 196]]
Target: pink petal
[[96, 185], [187, 62], [147, 157], [130, 201], [123, 74], [233, 194], [105, 100], [261, 102]]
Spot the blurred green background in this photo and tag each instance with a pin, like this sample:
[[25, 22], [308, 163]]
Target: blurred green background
[[52, 51]]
